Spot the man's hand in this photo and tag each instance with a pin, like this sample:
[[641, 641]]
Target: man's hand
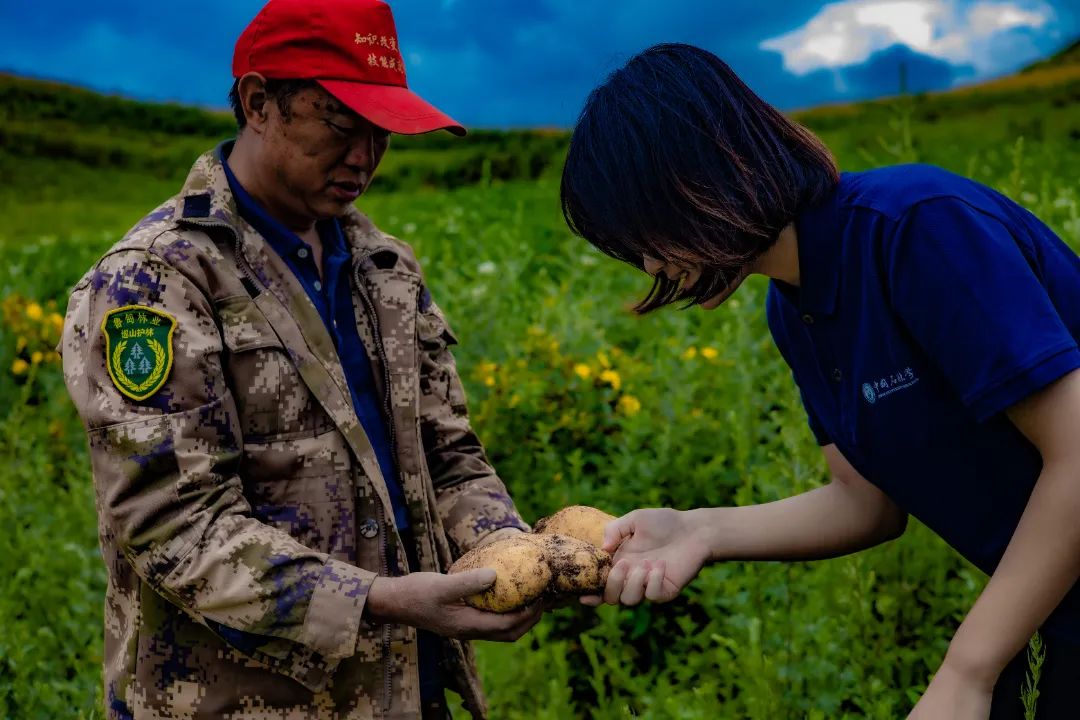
[[953, 695], [659, 552], [435, 602]]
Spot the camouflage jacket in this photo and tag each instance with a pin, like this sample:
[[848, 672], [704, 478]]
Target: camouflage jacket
[[242, 512]]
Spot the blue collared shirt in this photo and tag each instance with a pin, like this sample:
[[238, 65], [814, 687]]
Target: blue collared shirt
[[332, 296], [928, 305]]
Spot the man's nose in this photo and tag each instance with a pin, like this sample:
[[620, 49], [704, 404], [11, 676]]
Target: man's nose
[[361, 152]]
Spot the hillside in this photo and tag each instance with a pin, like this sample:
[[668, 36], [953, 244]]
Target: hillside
[[1069, 55], [45, 125], [41, 120], [1054, 81]]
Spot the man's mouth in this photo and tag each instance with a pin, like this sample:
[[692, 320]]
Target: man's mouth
[[346, 190]]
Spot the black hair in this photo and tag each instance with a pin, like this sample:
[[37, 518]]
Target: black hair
[[675, 158], [281, 91]]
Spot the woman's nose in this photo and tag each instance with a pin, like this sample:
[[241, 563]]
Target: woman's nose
[[653, 266]]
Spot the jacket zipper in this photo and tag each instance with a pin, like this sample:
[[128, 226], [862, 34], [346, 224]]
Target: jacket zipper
[[252, 287], [369, 308], [241, 262], [387, 682]]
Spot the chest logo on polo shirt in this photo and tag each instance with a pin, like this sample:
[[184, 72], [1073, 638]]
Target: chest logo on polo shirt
[[883, 387]]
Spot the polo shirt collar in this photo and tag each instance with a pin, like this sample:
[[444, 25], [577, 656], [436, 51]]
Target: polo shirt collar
[[818, 234]]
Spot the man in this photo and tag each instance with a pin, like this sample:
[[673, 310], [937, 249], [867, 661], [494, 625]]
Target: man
[[283, 462]]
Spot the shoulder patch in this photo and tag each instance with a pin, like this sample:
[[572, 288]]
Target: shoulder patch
[[138, 349]]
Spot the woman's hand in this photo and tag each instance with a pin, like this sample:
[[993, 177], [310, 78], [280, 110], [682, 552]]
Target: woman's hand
[[954, 695], [659, 552]]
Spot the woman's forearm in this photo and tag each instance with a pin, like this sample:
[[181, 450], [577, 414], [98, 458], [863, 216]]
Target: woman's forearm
[[1040, 564], [829, 521]]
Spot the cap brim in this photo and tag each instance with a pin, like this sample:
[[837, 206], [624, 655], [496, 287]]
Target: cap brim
[[392, 107]]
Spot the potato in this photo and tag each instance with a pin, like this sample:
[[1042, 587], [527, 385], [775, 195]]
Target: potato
[[577, 521], [577, 567], [530, 566], [522, 572]]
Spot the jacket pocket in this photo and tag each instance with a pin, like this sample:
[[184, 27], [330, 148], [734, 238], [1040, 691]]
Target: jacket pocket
[[305, 487], [271, 398], [438, 372]]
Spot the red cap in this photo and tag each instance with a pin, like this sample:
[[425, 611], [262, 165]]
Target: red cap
[[351, 48]]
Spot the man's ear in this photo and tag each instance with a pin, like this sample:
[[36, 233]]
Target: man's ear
[[255, 101]]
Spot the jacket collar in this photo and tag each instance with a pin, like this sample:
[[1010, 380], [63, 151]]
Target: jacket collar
[[207, 197], [207, 202]]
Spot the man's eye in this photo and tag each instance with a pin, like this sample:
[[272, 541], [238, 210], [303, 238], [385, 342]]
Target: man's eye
[[339, 129]]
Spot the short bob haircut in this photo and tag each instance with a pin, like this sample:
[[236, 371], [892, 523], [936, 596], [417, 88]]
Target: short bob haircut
[[674, 157]]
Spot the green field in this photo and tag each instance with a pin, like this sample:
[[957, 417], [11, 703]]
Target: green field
[[577, 400]]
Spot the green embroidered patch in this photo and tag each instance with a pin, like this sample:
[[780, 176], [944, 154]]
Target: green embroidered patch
[[138, 349]]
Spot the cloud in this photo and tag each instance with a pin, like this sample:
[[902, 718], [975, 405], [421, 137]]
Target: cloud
[[972, 33], [494, 63]]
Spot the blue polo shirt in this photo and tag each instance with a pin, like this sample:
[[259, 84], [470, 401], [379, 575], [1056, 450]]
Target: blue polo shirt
[[927, 305], [332, 297]]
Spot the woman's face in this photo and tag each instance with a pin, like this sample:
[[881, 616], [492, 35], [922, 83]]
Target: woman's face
[[688, 276]]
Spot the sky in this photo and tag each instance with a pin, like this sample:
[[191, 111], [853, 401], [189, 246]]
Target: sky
[[531, 63]]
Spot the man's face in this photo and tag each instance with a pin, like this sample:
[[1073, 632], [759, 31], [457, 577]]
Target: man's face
[[320, 157]]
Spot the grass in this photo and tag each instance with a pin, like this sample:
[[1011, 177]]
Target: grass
[[703, 412]]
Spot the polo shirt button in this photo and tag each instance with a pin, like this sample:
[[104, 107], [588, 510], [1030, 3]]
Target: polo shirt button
[[369, 528], [808, 319], [318, 286], [302, 252], [837, 375]]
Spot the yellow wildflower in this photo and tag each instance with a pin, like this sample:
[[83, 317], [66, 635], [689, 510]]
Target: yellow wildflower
[[490, 381], [690, 354], [34, 311], [602, 358], [487, 368], [514, 400], [19, 366], [611, 378], [57, 321], [20, 344], [583, 371], [629, 405], [36, 357], [709, 353]]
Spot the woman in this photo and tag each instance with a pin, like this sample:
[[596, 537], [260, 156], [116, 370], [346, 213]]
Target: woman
[[911, 304]]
